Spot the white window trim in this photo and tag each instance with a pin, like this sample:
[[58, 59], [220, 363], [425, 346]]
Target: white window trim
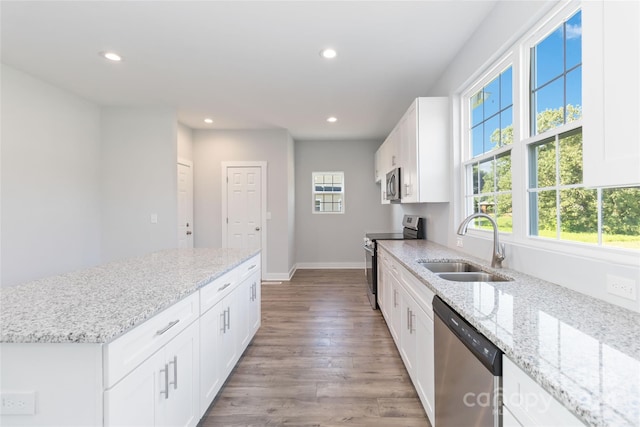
[[518, 54], [313, 192]]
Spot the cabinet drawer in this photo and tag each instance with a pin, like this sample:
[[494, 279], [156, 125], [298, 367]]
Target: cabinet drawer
[[212, 293], [248, 267], [418, 291], [529, 403], [134, 347]]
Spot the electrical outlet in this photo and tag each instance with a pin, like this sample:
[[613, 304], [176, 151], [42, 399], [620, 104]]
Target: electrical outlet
[[459, 242], [622, 287], [18, 403]]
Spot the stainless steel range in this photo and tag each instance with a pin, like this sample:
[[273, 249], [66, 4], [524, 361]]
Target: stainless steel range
[[413, 228]]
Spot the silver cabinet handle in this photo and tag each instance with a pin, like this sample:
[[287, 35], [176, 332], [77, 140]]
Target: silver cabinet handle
[[223, 287], [166, 328], [165, 392], [228, 318], [252, 267], [395, 298], [411, 317], [408, 318], [175, 373]]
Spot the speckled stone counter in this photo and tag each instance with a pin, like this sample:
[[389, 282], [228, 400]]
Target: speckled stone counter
[[98, 304], [583, 351]]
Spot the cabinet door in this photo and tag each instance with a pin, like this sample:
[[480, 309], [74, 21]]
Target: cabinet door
[[382, 291], [255, 312], [395, 308], [179, 403], [424, 379], [409, 155], [132, 401], [611, 66], [408, 341], [210, 344]]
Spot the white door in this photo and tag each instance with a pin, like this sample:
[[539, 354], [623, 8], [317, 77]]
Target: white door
[[244, 207], [185, 204]]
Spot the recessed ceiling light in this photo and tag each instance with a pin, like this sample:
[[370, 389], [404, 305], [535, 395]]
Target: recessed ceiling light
[[111, 56], [208, 120], [332, 119], [328, 53]]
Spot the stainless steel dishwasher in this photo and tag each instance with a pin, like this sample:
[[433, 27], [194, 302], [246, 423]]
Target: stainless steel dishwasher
[[468, 372]]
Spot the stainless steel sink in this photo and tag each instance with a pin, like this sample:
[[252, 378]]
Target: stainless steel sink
[[449, 267], [473, 276]]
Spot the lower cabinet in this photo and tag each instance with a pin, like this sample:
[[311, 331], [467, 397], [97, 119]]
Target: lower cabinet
[[527, 404], [409, 317], [162, 390]]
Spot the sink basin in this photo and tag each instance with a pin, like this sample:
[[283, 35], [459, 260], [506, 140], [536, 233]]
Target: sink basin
[[473, 276], [449, 267]]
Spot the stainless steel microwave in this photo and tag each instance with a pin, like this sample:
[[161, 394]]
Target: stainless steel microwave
[[393, 186]]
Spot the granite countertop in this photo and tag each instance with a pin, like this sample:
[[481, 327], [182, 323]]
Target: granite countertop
[[583, 351], [100, 303]]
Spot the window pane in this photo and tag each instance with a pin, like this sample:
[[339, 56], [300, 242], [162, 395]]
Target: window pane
[[545, 165], [548, 105], [506, 89], [574, 95], [506, 123], [571, 158], [476, 178], [504, 214], [491, 133], [503, 172], [477, 143], [544, 221], [486, 176], [578, 215], [621, 217], [548, 58], [337, 179], [492, 98], [476, 108], [574, 41]]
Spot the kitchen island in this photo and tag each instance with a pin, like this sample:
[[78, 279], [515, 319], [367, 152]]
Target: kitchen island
[[582, 351], [77, 347]]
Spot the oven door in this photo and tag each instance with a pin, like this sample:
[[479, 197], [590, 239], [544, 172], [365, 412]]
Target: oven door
[[370, 270]]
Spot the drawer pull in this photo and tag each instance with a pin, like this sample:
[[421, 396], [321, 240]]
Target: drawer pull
[[175, 372], [252, 267], [223, 287], [165, 392], [166, 328]]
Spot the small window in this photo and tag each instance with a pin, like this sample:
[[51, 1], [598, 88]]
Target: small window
[[328, 192]]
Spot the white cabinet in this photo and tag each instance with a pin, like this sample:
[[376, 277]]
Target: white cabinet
[[387, 157], [162, 390], [231, 317], [409, 315], [424, 151], [529, 404], [611, 95]]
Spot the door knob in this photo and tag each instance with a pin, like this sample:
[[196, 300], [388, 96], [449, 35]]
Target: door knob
[[189, 233], [257, 228]]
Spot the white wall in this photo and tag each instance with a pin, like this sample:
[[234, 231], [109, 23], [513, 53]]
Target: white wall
[[185, 142], [336, 240], [507, 22], [138, 164], [50, 180], [273, 146]]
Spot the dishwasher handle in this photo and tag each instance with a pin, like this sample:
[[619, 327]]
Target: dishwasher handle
[[484, 350]]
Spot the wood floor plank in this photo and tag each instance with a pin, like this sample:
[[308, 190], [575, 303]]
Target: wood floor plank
[[322, 357]]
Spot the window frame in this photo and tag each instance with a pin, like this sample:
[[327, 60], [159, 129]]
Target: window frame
[[518, 54], [314, 192]]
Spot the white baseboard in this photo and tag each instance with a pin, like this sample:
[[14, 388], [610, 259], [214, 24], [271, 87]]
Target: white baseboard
[[329, 265]]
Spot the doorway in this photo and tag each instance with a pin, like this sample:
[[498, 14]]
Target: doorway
[[185, 203], [244, 205]]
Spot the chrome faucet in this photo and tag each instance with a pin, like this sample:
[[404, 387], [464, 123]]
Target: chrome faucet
[[498, 249]]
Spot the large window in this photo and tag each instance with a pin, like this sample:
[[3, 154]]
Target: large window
[[542, 196], [488, 172], [328, 192]]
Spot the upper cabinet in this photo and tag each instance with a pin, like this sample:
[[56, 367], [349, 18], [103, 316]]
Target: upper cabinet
[[611, 92], [424, 151], [418, 146]]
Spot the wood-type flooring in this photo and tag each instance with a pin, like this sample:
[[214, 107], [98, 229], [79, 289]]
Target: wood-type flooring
[[322, 357]]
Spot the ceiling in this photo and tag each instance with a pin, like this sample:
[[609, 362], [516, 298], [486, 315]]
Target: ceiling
[[247, 65]]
